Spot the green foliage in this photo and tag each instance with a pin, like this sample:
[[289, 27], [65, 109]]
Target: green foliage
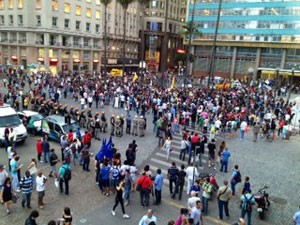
[[190, 28]]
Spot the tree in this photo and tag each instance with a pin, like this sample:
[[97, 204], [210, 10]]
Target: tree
[[124, 4], [189, 29], [143, 4], [105, 3]]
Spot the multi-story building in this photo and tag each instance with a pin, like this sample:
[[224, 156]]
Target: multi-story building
[[154, 26], [254, 34], [65, 34]]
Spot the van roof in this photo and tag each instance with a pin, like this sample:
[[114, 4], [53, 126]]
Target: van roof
[[6, 110], [57, 119]]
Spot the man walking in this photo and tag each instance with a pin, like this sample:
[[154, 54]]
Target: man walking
[[64, 177], [46, 149], [53, 161], [180, 182], [256, 129], [235, 178], [243, 129], [224, 195], [26, 184], [85, 155], [247, 201], [40, 188], [196, 214], [146, 185], [206, 193], [158, 184], [192, 173], [296, 217], [224, 160], [148, 218], [173, 178]]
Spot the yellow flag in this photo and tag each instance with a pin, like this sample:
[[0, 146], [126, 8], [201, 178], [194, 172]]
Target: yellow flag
[[135, 78], [173, 83]]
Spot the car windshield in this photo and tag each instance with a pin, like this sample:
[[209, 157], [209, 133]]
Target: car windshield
[[37, 117], [8, 121], [67, 127]]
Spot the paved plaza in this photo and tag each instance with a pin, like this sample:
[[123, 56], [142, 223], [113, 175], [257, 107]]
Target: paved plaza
[[275, 164]]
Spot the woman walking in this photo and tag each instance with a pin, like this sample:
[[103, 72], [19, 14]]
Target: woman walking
[[7, 193], [119, 199], [67, 216], [32, 168], [167, 146]]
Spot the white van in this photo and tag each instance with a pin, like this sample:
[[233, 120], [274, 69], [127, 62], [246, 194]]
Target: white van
[[10, 118]]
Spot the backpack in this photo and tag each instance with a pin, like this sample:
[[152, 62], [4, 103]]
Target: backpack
[[68, 174], [248, 207], [238, 177], [115, 173]]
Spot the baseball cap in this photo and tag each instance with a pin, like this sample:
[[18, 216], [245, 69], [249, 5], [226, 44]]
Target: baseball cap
[[2, 166]]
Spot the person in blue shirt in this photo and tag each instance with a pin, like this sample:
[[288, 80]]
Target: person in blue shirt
[[224, 160], [247, 197], [106, 169], [296, 217], [158, 184]]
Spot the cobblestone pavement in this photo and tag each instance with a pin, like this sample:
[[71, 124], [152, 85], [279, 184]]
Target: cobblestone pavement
[[273, 163]]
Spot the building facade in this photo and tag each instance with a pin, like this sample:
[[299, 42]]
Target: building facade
[[154, 24], [65, 34], [254, 34]]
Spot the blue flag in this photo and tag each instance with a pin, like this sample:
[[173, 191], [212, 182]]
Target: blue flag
[[108, 149]]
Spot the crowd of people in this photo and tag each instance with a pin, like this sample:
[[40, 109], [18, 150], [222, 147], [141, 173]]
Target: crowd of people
[[207, 113]]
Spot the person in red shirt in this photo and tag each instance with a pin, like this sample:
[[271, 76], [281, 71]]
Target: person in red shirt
[[146, 186], [87, 139], [195, 141], [39, 149], [70, 136]]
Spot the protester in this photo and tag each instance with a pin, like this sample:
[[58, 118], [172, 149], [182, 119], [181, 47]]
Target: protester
[[40, 188], [64, 177], [119, 199], [7, 193], [26, 184], [148, 218], [224, 195]]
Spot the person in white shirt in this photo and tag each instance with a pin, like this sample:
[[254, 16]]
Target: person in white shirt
[[243, 129], [191, 203], [82, 103], [191, 172], [3, 176], [40, 188], [196, 214], [148, 218]]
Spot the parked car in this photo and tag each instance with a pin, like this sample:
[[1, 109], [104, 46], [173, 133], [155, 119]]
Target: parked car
[[55, 126], [10, 118], [31, 120]]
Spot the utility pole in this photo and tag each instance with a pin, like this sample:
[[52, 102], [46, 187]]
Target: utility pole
[[164, 52], [191, 31], [213, 50]]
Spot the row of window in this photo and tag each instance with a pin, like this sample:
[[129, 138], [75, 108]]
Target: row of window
[[78, 10], [10, 4], [293, 11], [241, 1]]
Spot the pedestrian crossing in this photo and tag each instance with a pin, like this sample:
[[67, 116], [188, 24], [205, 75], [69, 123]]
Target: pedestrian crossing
[[158, 160]]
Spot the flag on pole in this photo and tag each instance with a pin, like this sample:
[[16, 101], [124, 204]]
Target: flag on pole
[[173, 83], [135, 78]]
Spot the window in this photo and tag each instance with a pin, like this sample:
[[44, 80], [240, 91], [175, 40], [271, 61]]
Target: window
[[54, 21], [67, 8], [38, 4], [38, 20], [88, 13], [98, 14], [78, 10], [77, 25], [67, 21], [58, 129], [20, 19], [20, 4], [97, 28], [11, 19], [98, 2], [55, 5], [87, 26], [2, 4], [1, 19], [11, 4], [89, 1]]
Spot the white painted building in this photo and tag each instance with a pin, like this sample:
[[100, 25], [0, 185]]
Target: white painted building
[[65, 34]]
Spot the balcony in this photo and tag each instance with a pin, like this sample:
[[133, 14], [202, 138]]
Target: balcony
[[69, 45], [3, 40], [12, 40], [39, 42], [57, 43], [22, 41]]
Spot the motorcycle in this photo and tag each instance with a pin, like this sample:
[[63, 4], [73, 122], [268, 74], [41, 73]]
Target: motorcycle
[[262, 200]]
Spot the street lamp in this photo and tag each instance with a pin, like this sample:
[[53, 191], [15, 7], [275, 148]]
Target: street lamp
[[250, 73], [276, 81], [291, 86]]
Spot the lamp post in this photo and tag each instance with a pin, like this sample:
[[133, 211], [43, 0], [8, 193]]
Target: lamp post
[[291, 86], [276, 82], [250, 73]]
